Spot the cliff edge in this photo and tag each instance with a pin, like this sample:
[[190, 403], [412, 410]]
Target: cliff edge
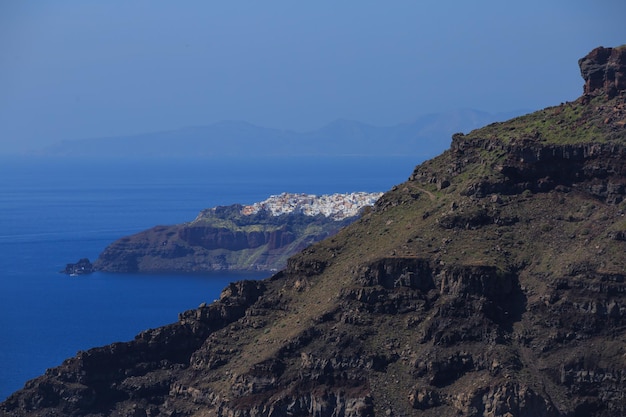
[[491, 283]]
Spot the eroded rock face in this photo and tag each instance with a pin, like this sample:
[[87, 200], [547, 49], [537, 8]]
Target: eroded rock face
[[212, 238], [199, 247], [596, 168], [604, 71]]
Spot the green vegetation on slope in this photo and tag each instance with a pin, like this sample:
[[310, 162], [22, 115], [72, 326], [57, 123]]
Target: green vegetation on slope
[[598, 121]]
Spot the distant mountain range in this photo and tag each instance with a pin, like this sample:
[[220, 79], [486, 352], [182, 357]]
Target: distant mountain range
[[426, 136]]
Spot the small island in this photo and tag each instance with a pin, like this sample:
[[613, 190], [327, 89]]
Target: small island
[[82, 267]]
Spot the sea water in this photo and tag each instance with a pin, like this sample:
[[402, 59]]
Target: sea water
[[55, 211]]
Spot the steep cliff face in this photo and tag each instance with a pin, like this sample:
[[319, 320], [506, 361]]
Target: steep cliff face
[[491, 283], [195, 248], [604, 71]]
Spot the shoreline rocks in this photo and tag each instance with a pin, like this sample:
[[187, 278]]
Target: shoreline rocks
[[82, 267]]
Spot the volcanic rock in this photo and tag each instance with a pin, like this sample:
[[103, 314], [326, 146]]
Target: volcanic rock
[[82, 267], [604, 71]]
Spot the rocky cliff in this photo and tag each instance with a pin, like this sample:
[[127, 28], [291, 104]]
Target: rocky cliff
[[258, 237], [491, 283], [604, 71]]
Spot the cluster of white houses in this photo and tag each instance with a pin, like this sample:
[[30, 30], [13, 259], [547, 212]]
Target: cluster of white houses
[[336, 206]]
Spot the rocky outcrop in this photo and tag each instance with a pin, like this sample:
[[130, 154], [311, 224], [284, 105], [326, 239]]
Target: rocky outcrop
[[491, 283], [596, 168], [604, 71], [82, 267]]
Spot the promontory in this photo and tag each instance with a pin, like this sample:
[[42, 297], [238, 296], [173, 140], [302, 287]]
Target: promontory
[[255, 237]]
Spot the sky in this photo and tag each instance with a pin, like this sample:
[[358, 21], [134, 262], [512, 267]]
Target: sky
[[73, 69]]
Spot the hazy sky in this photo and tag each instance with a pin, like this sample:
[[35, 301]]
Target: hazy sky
[[74, 69]]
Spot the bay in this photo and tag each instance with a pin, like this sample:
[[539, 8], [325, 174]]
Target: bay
[[55, 211]]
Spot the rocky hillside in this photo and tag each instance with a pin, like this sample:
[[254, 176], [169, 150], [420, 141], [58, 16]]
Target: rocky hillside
[[491, 283], [258, 237]]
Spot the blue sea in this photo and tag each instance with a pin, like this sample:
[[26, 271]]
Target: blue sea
[[55, 211]]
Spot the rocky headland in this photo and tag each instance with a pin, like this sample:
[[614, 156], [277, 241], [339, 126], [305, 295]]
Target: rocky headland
[[491, 283], [256, 237], [82, 267]]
